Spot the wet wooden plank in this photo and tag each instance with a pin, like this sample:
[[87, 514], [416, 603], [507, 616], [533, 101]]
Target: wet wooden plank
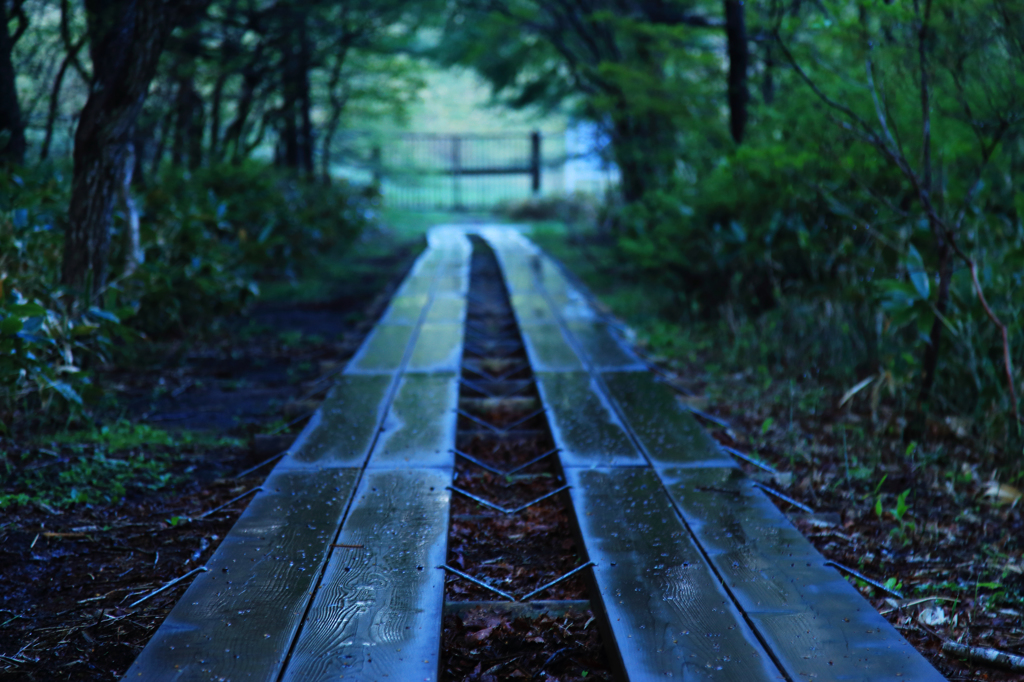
[[817, 625], [343, 430], [405, 309], [417, 284], [583, 424], [603, 348], [449, 308], [383, 350], [238, 620], [419, 430], [438, 348], [668, 432], [378, 612], [668, 612], [548, 350]]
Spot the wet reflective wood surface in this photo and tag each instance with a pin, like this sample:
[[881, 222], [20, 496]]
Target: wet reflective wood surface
[[378, 612], [237, 620], [669, 613], [583, 424], [816, 624]]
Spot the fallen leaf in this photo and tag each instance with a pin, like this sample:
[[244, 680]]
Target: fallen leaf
[[855, 390], [1002, 493], [932, 616], [480, 635]]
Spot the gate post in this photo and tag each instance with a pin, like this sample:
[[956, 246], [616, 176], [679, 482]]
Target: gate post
[[535, 160], [377, 166], [457, 172]]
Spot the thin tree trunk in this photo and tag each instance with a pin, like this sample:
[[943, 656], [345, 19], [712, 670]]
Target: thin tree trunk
[[215, 107], [58, 82], [166, 124], [305, 101], [768, 81], [12, 127], [337, 102], [133, 253], [739, 57], [290, 130]]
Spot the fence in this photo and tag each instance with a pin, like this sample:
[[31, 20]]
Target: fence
[[439, 171]]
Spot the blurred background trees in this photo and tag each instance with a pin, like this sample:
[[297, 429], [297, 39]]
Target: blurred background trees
[[836, 182]]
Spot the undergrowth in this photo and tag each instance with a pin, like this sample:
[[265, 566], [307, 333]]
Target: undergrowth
[[210, 238], [101, 465]]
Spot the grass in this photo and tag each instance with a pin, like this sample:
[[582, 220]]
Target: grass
[[101, 465], [124, 435]]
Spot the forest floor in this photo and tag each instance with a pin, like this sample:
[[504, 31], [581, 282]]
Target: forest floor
[[122, 509], [937, 523]]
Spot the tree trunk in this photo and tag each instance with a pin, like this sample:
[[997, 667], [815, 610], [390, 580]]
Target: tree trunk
[[645, 153], [739, 56], [768, 81], [305, 102], [12, 127], [289, 130], [215, 111], [337, 102], [58, 82], [133, 253], [930, 361], [126, 38]]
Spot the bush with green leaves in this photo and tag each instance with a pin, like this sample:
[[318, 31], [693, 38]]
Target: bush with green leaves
[[48, 342], [208, 238]]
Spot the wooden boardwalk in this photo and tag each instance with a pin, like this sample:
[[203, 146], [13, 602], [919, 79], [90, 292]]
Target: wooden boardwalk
[[331, 572]]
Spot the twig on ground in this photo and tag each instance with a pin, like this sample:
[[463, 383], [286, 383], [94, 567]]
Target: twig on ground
[[782, 496], [262, 464], [167, 585], [858, 574], [977, 654], [230, 502]]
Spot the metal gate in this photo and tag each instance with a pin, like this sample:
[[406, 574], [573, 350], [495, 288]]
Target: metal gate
[[460, 172]]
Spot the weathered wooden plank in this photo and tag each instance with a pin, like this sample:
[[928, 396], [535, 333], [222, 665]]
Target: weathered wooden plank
[[405, 309], [602, 348], [419, 430], [816, 624], [383, 351], [344, 429], [452, 282], [584, 426], [668, 433], [548, 350], [238, 620], [449, 308], [668, 612], [378, 612], [417, 285], [438, 348]]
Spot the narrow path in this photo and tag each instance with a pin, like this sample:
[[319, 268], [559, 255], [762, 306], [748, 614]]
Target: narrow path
[[580, 487]]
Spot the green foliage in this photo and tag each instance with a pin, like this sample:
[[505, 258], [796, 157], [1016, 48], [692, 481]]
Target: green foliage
[[210, 235], [208, 238], [47, 341], [89, 476]]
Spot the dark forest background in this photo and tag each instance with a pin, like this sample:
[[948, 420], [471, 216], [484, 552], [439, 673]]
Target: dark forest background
[[820, 193]]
